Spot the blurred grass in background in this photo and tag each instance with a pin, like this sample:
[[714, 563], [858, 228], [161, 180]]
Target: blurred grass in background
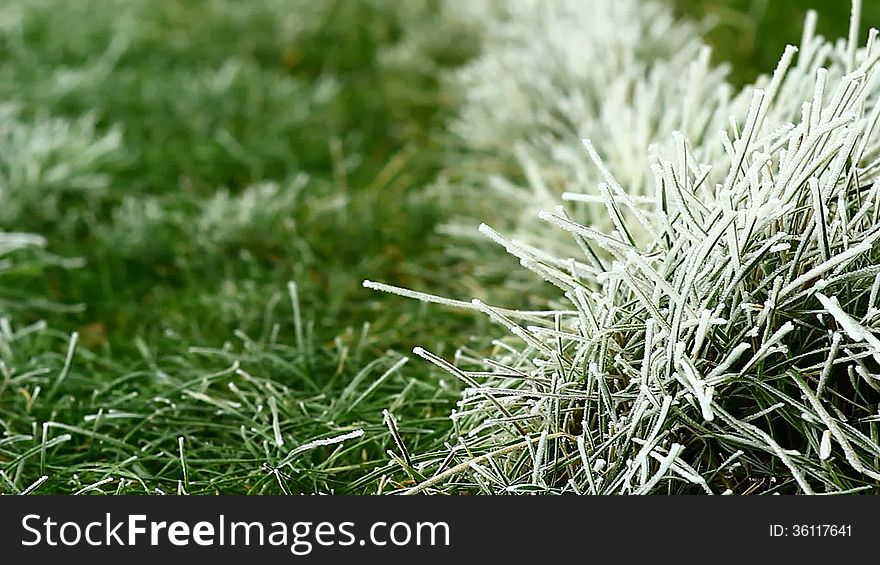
[[752, 34], [197, 156]]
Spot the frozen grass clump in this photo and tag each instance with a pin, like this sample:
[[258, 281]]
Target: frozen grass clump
[[227, 220], [259, 217], [626, 75], [734, 353], [623, 73], [46, 161]]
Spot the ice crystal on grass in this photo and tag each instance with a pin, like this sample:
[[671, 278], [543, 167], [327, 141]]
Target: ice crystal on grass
[[739, 326]]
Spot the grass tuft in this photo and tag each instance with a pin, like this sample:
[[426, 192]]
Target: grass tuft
[[691, 336]]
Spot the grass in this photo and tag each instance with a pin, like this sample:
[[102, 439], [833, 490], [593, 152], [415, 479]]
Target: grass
[[193, 180], [181, 182], [716, 333]]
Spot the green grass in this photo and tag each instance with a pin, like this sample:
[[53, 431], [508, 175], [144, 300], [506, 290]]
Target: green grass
[[207, 175], [196, 156]]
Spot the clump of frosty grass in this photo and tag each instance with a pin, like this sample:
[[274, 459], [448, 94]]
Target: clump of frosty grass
[[45, 159], [552, 73], [733, 353]]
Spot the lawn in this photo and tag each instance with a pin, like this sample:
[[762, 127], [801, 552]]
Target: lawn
[[210, 182]]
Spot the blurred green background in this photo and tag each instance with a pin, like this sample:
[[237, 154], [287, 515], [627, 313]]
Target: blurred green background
[[753, 33]]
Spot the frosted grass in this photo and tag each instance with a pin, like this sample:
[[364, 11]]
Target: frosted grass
[[717, 333]]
